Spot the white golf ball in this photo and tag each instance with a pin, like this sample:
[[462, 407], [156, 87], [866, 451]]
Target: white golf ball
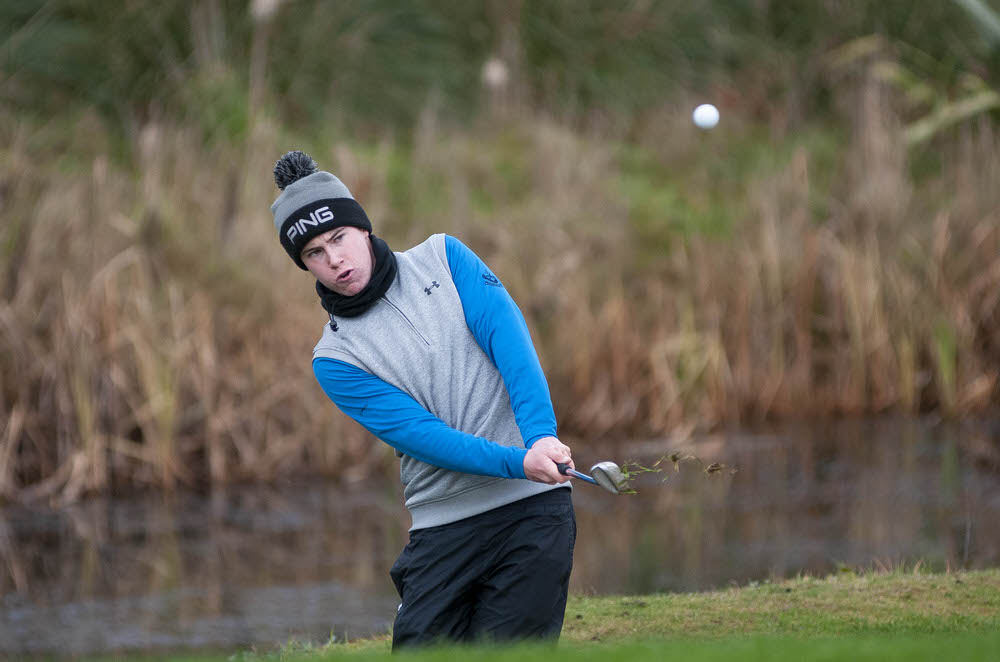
[[705, 116]]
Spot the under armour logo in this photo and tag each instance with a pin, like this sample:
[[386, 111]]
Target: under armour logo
[[428, 288], [490, 279]]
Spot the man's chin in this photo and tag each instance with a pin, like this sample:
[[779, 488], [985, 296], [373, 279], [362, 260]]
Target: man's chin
[[346, 290]]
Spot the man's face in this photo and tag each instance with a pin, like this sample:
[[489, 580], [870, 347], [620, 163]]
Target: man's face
[[342, 259]]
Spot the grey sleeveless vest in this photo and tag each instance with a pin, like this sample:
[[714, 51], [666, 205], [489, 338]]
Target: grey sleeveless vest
[[416, 339]]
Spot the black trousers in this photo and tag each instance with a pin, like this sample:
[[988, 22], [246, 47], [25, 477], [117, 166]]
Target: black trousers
[[501, 575]]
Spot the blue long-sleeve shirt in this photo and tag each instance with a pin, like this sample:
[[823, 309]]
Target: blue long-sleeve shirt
[[395, 417]]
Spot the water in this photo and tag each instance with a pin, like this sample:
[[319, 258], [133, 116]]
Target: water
[[309, 560]]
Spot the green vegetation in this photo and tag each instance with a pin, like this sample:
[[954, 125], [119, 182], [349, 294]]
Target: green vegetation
[[898, 603], [372, 63], [900, 615], [864, 648], [979, 646]]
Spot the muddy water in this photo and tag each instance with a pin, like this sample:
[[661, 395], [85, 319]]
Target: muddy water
[[309, 560]]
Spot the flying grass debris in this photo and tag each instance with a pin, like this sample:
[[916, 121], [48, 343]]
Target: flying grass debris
[[677, 457], [632, 469]]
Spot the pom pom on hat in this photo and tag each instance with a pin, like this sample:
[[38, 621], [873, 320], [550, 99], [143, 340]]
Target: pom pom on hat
[[292, 167]]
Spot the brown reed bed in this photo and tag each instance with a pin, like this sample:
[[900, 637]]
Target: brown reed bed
[[152, 333]]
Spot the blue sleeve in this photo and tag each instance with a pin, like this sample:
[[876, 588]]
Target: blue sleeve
[[396, 418], [500, 329]]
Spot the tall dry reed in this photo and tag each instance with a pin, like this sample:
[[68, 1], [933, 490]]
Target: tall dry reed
[[147, 341]]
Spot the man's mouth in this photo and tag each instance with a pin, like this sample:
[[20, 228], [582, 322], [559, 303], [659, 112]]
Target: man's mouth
[[344, 276]]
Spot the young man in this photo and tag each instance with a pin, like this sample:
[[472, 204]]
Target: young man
[[429, 353]]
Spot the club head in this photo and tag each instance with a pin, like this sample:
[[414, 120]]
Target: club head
[[609, 476]]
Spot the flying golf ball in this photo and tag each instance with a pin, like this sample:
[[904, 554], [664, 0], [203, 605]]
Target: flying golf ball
[[705, 116]]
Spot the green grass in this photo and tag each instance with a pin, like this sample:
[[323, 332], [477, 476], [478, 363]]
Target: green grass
[[837, 605], [898, 615], [966, 647], [979, 646]]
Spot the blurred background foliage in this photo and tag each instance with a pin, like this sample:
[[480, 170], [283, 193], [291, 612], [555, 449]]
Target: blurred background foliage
[[832, 248], [372, 63]]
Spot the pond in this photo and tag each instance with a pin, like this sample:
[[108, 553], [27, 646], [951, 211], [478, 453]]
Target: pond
[[257, 567]]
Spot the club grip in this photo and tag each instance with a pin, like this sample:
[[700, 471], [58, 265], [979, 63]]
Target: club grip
[[563, 468]]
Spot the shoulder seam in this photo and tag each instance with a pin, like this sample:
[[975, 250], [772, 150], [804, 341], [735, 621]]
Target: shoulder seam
[[325, 353]]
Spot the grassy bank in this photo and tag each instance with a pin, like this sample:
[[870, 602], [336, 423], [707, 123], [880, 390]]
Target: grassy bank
[[848, 604], [896, 615], [978, 646]]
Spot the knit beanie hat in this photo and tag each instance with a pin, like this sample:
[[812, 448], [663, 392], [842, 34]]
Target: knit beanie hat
[[312, 201]]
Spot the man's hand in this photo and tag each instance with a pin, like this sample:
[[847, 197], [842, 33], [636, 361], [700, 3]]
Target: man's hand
[[540, 462]]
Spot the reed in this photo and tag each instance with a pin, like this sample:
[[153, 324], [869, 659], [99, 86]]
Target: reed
[[152, 332]]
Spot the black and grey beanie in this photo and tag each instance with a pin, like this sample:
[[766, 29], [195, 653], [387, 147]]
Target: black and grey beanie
[[312, 201]]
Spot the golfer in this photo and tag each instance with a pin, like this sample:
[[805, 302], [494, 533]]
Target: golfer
[[427, 350]]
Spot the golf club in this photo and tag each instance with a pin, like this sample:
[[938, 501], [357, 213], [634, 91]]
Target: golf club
[[604, 474]]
